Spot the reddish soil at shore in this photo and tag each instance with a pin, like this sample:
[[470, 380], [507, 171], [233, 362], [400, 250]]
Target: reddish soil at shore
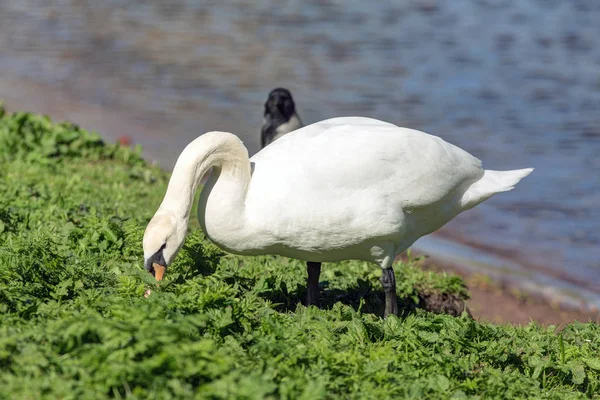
[[495, 302]]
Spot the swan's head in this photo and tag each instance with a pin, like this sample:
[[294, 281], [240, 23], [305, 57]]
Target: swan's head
[[162, 240]]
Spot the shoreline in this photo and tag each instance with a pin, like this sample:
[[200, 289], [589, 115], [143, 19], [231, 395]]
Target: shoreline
[[534, 282], [499, 301]]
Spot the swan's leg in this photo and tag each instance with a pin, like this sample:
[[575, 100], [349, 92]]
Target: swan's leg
[[384, 256], [388, 281], [312, 286]]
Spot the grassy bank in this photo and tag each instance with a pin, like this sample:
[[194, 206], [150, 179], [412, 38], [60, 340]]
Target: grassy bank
[[74, 323]]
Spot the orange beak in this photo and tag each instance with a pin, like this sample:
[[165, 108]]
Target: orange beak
[[159, 271]]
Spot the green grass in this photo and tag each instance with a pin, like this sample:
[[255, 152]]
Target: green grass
[[74, 323]]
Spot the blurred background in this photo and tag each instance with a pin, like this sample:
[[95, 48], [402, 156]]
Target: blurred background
[[514, 82]]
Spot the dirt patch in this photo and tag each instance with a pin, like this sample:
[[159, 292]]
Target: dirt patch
[[443, 303], [499, 303]]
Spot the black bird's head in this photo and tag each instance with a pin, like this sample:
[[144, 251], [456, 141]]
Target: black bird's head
[[280, 116], [280, 105]]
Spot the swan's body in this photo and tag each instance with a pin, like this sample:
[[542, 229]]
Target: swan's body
[[343, 188]]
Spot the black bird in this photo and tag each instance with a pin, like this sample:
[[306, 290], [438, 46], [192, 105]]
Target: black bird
[[280, 116]]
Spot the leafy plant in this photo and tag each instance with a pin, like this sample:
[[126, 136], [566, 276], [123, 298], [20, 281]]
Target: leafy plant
[[36, 139]]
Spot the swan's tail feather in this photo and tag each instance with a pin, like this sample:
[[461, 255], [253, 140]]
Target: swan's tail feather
[[492, 182]]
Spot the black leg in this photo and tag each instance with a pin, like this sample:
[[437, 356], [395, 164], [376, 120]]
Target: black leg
[[388, 281], [312, 286]]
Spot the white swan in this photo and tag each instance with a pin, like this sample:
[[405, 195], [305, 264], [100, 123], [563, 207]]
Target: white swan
[[280, 117], [344, 188]]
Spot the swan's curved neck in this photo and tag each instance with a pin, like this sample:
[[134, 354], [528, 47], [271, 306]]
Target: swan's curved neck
[[225, 153]]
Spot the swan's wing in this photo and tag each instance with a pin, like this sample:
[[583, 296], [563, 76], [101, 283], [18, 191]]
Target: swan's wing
[[354, 153], [432, 169], [354, 174]]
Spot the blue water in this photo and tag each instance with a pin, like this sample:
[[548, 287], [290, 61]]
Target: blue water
[[516, 83]]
